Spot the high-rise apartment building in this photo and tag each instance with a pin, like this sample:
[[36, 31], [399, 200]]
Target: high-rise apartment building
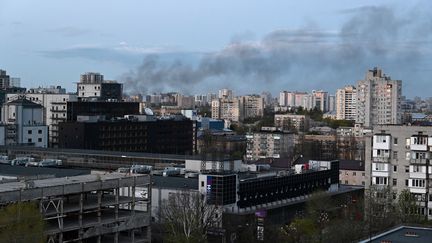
[[227, 109], [225, 94], [332, 103], [378, 99], [320, 100], [239, 108], [4, 80], [346, 99], [398, 157], [252, 106]]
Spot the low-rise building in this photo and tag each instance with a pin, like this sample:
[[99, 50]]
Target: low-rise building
[[352, 172], [54, 103], [269, 143], [23, 123], [292, 122]]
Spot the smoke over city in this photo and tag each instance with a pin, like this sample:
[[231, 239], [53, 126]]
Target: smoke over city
[[303, 58]]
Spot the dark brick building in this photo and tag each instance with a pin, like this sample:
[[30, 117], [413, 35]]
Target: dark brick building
[[170, 136]]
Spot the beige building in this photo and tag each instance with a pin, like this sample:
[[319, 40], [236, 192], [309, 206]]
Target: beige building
[[352, 172], [227, 109], [378, 99], [292, 122], [399, 157], [269, 143], [346, 99], [239, 108]]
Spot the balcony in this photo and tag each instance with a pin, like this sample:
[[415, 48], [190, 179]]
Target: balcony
[[417, 175], [381, 142], [376, 173], [419, 143], [419, 147], [381, 159], [417, 190], [418, 161]]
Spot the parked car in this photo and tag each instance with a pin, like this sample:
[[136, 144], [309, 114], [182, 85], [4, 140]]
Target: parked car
[[22, 161]]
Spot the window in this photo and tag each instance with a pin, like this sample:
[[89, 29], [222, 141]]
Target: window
[[395, 141], [394, 168], [380, 166], [346, 182], [395, 154], [363, 174], [354, 173], [363, 183], [406, 168], [40, 131], [29, 131], [202, 183], [417, 168], [418, 183], [39, 140], [381, 180], [394, 182], [29, 140], [406, 182], [407, 156]]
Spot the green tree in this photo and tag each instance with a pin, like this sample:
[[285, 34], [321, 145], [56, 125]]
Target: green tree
[[380, 213], [21, 223], [407, 208]]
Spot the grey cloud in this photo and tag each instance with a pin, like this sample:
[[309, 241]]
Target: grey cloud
[[297, 59]]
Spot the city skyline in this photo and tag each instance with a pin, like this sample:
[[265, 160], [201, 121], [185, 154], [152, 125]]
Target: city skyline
[[281, 46]]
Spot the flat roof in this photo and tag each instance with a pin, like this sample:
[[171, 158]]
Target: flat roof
[[62, 181], [405, 234], [175, 182], [22, 171]]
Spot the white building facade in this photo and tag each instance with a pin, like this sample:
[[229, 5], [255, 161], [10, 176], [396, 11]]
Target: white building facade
[[24, 123]]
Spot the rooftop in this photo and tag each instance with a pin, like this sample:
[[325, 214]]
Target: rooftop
[[22, 171], [172, 182], [351, 165], [62, 181], [405, 234]]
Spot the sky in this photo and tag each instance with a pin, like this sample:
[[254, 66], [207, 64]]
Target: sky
[[196, 46]]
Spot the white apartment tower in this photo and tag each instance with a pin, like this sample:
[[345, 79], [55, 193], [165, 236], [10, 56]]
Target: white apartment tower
[[378, 99], [346, 99]]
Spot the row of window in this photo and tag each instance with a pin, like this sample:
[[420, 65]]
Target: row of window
[[31, 140], [31, 131]]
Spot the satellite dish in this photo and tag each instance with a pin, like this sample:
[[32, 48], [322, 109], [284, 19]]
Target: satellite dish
[[148, 112]]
